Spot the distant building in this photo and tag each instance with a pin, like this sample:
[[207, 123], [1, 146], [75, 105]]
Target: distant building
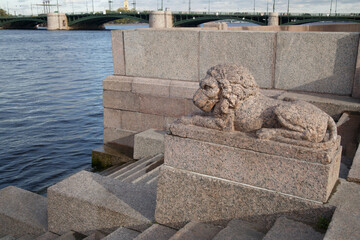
[[126, 5]]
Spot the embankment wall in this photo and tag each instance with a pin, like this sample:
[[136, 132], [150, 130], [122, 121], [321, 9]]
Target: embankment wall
[[156, 72]]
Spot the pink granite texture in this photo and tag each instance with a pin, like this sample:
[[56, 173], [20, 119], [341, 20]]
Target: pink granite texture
[[308, 180], [184, 196]]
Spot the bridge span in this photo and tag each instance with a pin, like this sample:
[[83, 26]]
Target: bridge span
[[179, 19]]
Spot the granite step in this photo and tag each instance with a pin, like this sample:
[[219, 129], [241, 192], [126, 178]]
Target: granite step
[[285, 229], [88, 201], [8, 237], [156, 232], [239, 230], [72, 235], [47, 236], [141, 172], [22, 213], [147, 177], [96, 235], [196, 231], [136, 169], [130, 167], [122, 233]]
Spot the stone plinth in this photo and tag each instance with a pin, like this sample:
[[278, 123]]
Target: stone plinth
[[212, 175]]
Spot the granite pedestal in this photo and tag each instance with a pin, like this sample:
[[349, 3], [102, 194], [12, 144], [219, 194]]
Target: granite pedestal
[[215, 176]]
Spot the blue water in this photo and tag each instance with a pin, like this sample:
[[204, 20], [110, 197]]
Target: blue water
[[50, 103]]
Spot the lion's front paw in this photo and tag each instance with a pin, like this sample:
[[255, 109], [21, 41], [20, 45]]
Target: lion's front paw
[[265, 133]]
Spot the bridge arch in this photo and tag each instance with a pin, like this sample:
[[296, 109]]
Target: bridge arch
[[96, 21], [22, 22], [193, 21], [299, 21]]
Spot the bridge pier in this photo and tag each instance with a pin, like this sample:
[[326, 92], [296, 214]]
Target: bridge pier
[[160, 19], [273, 19], [57, 21]]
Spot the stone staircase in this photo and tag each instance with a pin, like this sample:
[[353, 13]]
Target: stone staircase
[[92, 206]]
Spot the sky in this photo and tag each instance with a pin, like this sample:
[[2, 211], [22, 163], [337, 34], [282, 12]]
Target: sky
[[28, 7]]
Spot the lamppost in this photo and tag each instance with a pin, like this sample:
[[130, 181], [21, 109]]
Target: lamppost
[[189, 6], [209, 6], [273, 5], [93, 6], [330, 7], [288, 7], [254, 7]]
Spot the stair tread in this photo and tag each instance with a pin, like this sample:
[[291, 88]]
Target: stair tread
[[147, 176], [129, 167], [72, 235], [239, 230], [47, 236], [122, 233], [196, 231], [156, 232], [285, 229]]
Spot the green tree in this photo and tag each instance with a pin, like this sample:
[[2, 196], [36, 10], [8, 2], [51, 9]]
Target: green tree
[[125, 20], [3, 13]]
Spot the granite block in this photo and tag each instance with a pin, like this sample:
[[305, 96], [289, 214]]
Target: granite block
[[112, 118], [316, 61], [237, 230], [167, 54], [8, 237], [169, 107], [106, 156], [184, 196], [121, 100], [97, 235], [253, 50], [118, 83], [22, 213], [148, 143], [356, 86], [182, 89], [72, 235], [156, 232], [354, 173], [136, 121], [122, 234], [111, 134], [196, 230], [117, 38], [285, 229], [47, 236], [299, 178], [87, 201], [345, 222], [151, 86]]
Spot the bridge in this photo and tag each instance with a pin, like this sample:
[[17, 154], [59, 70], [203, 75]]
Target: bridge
[[180, 19]]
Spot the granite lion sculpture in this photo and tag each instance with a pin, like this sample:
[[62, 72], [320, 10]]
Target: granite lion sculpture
[[231, 100]]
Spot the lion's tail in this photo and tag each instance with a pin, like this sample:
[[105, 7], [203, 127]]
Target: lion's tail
[[332, 129]]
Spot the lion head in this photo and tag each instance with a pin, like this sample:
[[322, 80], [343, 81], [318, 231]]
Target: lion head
[[224, 88]]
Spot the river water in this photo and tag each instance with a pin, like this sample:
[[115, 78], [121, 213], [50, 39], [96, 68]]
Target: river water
[[51, 103]]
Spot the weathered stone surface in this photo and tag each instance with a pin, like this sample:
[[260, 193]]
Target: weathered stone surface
[[111, 134], [285, 229], [346, 220], [356, 86], [233, 102], [112, 118], [151, 86], [106, 156], [170, 107], [118, 83], [148, 143], [182, 89], [8, 237], [185, 196], [121, 100], [348, 128], [97, 235], [87, 201], [117, 38], [122, 234], [156, 232], [22, 212], [164, 54], [331, 104], [47, 236], [136, 121], [238, 230], [354, 173], [316, 62], [285, 175], [253, 50], [72, 235], [196, 230]]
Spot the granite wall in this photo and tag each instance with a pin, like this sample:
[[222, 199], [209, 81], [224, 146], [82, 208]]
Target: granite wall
[[156, 71]]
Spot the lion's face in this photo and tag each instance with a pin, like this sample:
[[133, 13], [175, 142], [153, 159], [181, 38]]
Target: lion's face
[[207, 95]]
